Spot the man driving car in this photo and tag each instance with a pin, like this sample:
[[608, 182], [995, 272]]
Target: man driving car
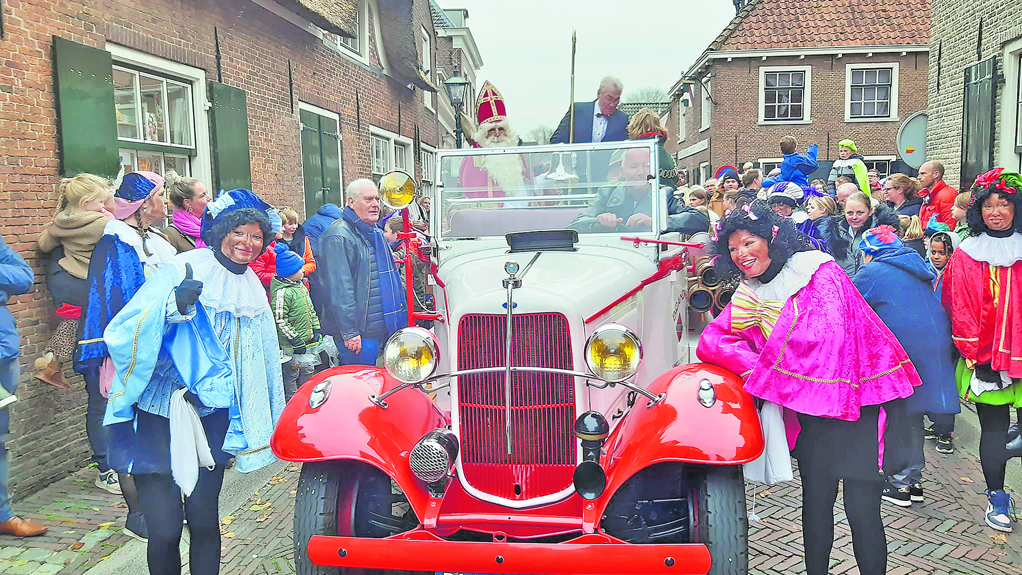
[[625, 206]]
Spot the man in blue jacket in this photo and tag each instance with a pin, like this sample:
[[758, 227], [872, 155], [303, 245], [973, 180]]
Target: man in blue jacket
[[596, 121], [15, 279]]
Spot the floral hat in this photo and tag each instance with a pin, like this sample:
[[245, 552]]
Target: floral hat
[[879, 239]]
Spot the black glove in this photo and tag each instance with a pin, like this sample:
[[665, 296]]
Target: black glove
[[193, 399], [187, 292], [298, 350], [985, 373], [317, 335]]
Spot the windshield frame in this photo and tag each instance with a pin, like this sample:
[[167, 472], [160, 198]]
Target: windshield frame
[[658, 216]]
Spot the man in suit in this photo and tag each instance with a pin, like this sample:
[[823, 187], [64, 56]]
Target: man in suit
[[596, 121]]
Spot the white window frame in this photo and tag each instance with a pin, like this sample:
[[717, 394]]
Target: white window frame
[[360, 50], [704, 172], [427, 67], [706, 109], [895, 73], [1009, 152], [201, 164], [340, 138], [392, 149], [873, 159], [427, 162], [682, 121], [807, 95], [773, 162]]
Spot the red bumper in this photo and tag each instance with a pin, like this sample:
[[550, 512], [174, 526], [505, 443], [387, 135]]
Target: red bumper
[[589, 554]]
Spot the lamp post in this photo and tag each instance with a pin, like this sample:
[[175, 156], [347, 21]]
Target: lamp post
[[456, 88]]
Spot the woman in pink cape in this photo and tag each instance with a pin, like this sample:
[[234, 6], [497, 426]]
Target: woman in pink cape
[[802, 337]]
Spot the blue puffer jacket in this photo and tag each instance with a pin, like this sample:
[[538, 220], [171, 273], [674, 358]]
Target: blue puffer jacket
[[317, 224], [15, 278], [897, 285]]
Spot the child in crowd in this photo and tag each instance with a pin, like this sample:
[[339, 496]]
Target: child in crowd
[[795, 167], [958, 213], [910, 230], [420, 268], [849, 164], [942, 246], [292, 234], [86, 205], [297, 322]]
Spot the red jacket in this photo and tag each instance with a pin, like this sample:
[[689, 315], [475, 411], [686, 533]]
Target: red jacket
[[938, 202], [265, 266]]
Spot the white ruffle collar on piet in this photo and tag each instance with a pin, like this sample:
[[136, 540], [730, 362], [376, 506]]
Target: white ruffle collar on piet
[[796, 274], [222, 289], [1001, 252]]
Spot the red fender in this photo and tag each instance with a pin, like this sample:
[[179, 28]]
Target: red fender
[[350, 427], [680, 429]]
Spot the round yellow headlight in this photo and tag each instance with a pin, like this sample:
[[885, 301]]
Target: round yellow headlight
[[613, 353], [411, 355], [397, 190]]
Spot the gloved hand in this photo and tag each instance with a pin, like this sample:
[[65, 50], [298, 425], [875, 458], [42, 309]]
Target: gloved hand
[[317, 334], [187, 292], [985, 373], [193, 399]]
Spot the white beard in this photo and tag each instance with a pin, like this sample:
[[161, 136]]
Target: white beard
[[504, 169]]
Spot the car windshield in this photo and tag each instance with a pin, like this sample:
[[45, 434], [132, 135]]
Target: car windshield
[[592, 188]]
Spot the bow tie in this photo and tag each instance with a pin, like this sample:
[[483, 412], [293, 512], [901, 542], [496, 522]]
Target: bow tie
[[748, 310]]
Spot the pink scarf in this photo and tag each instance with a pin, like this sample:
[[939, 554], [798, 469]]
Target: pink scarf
[[123, 208], [189, 225]]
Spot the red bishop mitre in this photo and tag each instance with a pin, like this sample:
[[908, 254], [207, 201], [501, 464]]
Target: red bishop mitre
[[490, 105]]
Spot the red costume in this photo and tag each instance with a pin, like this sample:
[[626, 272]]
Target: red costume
[[938, 204], [983, 294]]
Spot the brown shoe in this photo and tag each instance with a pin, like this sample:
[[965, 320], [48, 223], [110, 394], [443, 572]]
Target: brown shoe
[[51, 374], [19, 527]]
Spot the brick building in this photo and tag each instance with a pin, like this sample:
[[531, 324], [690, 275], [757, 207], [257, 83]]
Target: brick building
[[975, 73], [457, 55], [820, 71], [292, 98]]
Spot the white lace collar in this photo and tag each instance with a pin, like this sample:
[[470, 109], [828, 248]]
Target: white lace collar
[[795, 275], [160, 248], [222, 289], [1001, 252]]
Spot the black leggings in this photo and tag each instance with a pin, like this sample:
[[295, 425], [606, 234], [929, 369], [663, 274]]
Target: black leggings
[[862, 507], [161, 502], [993, 457]]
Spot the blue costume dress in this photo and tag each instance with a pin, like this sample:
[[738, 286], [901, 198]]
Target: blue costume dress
[[239, 410]]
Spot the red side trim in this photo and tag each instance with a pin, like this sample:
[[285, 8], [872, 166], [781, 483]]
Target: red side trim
[[667, 266]]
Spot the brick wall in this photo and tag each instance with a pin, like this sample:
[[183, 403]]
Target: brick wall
[[737, 137], [954, 38], [48, 434]]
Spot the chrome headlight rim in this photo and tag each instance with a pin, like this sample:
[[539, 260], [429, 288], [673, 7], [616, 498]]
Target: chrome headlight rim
[[426, 338], [602, 331]]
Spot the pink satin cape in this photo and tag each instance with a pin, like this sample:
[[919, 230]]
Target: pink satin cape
[[828, 354]]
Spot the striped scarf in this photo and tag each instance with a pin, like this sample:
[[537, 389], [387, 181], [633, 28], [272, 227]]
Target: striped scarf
[[748, 310]]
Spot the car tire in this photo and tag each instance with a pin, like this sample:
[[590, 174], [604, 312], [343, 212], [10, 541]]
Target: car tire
[[324, 488], [723, 518]]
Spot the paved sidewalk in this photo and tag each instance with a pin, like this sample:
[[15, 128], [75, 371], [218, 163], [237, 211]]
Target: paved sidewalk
[[944, 535]]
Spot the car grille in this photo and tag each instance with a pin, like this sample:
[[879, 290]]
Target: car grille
[[542, 457]]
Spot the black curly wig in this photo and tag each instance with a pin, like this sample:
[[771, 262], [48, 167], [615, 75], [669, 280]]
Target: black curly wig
[[986, 185], [214, 235], [760, 221]]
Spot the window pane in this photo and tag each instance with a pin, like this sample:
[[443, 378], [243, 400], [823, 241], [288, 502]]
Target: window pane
[[150, 162], [856, 109], [152, 109], [796, 112], [885, 76], [857, 76], [179, 105], [400, 157], [869, 94], [125, 104], [871, 76], [869, 109], [784, 80], [770, 96], [769, 112], [782, 111], [856, 94], [798, 79], [177, 163], [883, 93], [771, 80], [796, 96], [883, 109], [127, 161]]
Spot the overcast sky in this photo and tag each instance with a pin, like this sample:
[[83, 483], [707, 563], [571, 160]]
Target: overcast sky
[[526, 47]]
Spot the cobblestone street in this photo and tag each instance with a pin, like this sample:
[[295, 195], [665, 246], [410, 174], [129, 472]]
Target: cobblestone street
[[944, 535]]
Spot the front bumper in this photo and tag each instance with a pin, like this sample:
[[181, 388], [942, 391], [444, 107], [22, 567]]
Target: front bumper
[[593, 554]]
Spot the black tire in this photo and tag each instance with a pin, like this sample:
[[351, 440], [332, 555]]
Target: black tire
[[322, 487], [723, 519]]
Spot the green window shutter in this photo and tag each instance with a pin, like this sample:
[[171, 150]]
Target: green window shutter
[[228, 133], [86, 116], [979, 119], [321, 162]]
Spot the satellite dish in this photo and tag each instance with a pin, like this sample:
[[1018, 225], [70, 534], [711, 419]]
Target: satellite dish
[[912, 139]]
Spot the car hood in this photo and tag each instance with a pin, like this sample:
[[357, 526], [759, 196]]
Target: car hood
[[583, 281]]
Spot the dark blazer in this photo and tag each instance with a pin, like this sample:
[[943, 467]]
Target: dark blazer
[[617, 125]]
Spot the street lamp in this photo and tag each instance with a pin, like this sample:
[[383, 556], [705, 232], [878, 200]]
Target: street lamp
[[456, 88]]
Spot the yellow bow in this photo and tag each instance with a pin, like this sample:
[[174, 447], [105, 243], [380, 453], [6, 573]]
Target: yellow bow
[[748, 310]]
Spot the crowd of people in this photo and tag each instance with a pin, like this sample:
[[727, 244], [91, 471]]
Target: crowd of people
[[866, 304]]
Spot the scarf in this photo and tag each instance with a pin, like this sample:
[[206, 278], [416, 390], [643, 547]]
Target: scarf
[[124, 208], [391, 292], [189, 225]]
